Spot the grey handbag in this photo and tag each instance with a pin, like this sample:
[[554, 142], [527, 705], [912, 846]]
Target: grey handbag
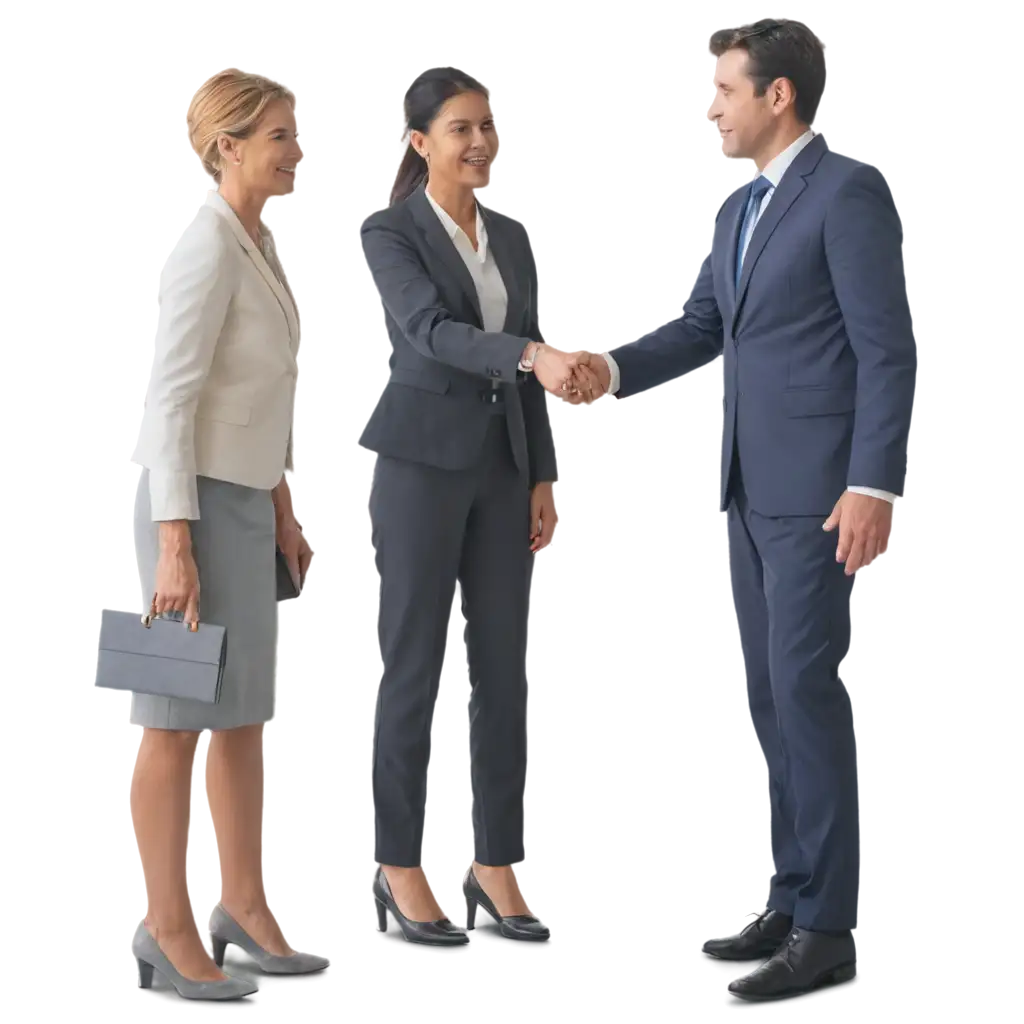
[[161, 656]]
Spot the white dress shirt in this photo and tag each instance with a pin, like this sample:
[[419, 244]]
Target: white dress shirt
[[490, 288], [773, 171]]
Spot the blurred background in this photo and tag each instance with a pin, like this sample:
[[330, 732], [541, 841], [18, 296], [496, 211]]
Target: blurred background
[[646, 799]]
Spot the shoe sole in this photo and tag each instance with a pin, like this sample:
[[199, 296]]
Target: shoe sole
[[837, 976], [531, 942], [290, 974], [239, 1000], [760, 955]]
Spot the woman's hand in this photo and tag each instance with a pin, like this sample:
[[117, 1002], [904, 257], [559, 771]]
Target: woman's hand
[[543, 517], [295, 548], [177, 577], [553, 367]]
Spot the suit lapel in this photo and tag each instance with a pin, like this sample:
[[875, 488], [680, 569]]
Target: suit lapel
[[505, 258], [790, 188], [443, 247], [282, 292], [278, 288]]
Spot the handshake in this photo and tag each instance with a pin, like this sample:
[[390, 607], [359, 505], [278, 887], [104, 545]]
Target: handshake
[[576, 377]]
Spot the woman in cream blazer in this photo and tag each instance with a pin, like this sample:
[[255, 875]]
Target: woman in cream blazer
[[211, 507]]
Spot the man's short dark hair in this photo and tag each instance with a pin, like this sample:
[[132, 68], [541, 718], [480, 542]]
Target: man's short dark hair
[[778, 48]]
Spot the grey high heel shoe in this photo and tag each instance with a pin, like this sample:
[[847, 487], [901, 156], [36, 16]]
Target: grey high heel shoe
[[151, 957], [225, 929]]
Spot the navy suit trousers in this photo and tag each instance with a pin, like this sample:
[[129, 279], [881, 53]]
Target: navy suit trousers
[[793, 605]]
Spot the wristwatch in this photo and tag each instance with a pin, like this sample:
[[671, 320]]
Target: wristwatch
[[526, 364]]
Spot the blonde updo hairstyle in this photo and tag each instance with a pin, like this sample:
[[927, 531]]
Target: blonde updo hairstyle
[[230, 103]]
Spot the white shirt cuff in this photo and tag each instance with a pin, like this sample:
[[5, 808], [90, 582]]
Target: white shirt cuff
[[613, 370], [874, 492]]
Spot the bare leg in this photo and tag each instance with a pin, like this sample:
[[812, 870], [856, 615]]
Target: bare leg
[[501, 886], [412, 893], [161, 787], [234, 785]]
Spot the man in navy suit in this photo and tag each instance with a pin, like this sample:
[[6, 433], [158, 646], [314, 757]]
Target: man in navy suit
[[803, 296]]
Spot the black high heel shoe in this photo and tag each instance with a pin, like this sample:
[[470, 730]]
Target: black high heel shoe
[[518, 926], [430, 933]]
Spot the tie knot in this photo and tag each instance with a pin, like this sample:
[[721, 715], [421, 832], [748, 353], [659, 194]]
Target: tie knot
[[759, 187]]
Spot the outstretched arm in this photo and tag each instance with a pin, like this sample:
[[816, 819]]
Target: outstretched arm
[[412, 299], [678, 343]]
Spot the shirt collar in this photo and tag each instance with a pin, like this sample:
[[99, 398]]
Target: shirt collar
[[453, 229], [776, 168]]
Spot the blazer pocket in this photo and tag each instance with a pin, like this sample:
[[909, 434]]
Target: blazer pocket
[[418, 379], [799, 402], [224, 412]]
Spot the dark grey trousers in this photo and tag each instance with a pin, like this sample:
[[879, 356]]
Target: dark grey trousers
[[432, 527]]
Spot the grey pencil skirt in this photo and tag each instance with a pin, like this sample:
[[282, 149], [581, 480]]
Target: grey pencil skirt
[[234, 547]]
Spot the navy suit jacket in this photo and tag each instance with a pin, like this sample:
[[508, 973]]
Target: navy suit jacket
[[818, 347]]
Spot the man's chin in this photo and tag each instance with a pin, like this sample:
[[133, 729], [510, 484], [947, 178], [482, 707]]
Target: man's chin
[[729, 148]]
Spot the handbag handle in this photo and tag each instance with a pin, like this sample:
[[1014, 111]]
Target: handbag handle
[[147, 619]]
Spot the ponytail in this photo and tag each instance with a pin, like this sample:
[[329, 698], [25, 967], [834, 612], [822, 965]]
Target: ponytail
[[411, 174]]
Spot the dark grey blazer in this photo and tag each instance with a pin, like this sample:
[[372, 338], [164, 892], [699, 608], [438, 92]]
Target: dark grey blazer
[[433, 409]]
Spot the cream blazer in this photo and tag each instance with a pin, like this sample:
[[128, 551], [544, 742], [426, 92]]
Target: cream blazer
[[222, 387]]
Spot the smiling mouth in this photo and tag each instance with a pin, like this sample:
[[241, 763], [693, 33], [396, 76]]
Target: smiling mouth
[[287, 170], [476, 161]]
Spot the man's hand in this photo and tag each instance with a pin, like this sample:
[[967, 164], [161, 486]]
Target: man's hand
[[584, 388], [591, 379], [864, 524]]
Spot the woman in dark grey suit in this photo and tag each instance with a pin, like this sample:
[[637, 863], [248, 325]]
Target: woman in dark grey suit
[[462, 491]]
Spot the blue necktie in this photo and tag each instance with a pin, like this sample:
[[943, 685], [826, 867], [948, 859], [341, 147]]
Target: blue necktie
[[757, 191]]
